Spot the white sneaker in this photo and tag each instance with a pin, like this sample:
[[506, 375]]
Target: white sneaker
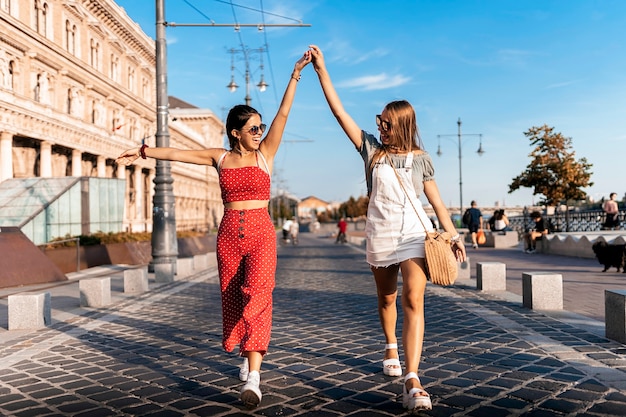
[[243, 370], [251, 393]]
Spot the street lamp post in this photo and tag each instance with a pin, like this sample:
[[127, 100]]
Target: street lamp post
[[164, 243], [480, 151], [232, 86]]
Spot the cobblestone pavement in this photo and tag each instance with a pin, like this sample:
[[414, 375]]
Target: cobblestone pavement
[[159, 354]]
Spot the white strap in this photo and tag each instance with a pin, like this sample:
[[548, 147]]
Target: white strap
[[219, 161], [267, 168], [408, 163]]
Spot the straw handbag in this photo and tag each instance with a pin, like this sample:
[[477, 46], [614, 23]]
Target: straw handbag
[[441, 264]]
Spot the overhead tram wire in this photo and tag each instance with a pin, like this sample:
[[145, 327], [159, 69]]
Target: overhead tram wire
[[237, 25]]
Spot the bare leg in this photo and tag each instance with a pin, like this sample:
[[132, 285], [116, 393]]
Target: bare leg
[[254, 360], [413, 289], [387, 290]]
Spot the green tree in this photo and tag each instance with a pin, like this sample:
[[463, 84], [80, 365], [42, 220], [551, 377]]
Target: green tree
[[553, 171]]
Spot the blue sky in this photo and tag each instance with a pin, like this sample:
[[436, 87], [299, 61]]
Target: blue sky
[[501, 66]]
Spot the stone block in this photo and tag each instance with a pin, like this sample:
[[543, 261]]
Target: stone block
[[464, 269], [615, 315], [542, 290], [184, 267], [136, 280], [95, 292], [491, 276], [201, 262], [164, 272], [29, 311]]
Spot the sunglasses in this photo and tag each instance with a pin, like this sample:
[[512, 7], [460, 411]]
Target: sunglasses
[[383, 124], [255, 130]]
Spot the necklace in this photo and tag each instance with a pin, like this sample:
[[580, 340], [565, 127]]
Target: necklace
[[237, 150]]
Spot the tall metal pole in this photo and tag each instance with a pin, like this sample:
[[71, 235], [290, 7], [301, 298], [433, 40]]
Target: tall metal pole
[[480, 151], [460, 171], [164, 243], [248, 99]]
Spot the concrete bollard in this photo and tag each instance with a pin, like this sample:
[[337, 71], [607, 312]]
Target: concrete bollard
[[615, 315], [184, 267], [211, 259], [136, 280], [542, 290], [491, 276], [29, 311], [164, 272], [201, 262], [464, 269], [95, 292]]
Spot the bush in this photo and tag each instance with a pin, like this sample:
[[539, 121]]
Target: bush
[[102, 238]]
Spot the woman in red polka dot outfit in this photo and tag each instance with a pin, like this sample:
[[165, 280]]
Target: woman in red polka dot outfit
[[246, 240]]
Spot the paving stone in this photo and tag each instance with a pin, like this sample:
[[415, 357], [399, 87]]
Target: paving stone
[[160, 354]]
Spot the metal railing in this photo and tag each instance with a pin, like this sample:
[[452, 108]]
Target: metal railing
[[577, 221]]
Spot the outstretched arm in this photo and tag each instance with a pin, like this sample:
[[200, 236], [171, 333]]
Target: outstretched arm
[[198, 157], [269, 145], [346, 122]]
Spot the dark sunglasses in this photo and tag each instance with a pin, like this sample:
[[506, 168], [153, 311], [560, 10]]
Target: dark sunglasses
[[254, 130], [383, 124]]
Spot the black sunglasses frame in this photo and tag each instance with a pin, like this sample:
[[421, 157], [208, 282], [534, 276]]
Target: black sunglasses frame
[[254, 130], [383, 124]]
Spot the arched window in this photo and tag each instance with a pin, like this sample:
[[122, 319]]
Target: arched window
[[10, 84], [131, 79], [41, 17], [94, 111], [114, 67], [70, 37], [95, 54], [69, 101]]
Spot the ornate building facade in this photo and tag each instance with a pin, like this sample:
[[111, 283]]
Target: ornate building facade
[[78, 87]]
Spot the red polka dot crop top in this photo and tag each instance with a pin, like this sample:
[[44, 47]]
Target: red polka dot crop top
[[244, 183]]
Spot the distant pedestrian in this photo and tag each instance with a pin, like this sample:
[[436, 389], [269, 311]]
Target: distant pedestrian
[[246, 239], [286, 229], [343, 227], [540, 229], [397, 171], [475, 222], [499, 222], [611, 211]]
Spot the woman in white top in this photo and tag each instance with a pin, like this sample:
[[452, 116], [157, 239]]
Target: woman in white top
[[397, 171]]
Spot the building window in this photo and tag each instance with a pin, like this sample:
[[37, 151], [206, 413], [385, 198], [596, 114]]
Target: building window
[[94, 56], [145, 89], [6, 5], [115, 63], [42, 88], [9, 84], [41, 17], [70, 37], [131, 79]]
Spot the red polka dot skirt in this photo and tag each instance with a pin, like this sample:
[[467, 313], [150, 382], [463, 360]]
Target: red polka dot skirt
[[246, 259]]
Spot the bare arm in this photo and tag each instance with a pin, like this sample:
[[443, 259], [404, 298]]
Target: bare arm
[[349, 126], [198, 157], [269, 145], [434, 198]]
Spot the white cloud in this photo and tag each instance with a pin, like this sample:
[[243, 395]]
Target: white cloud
[[375, 82]]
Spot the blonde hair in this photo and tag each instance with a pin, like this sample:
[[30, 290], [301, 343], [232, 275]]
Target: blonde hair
[[404, 133]]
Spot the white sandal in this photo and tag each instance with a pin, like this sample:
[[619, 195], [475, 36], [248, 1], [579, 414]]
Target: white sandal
[[243, 370], [391, 366], [413, 400]]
